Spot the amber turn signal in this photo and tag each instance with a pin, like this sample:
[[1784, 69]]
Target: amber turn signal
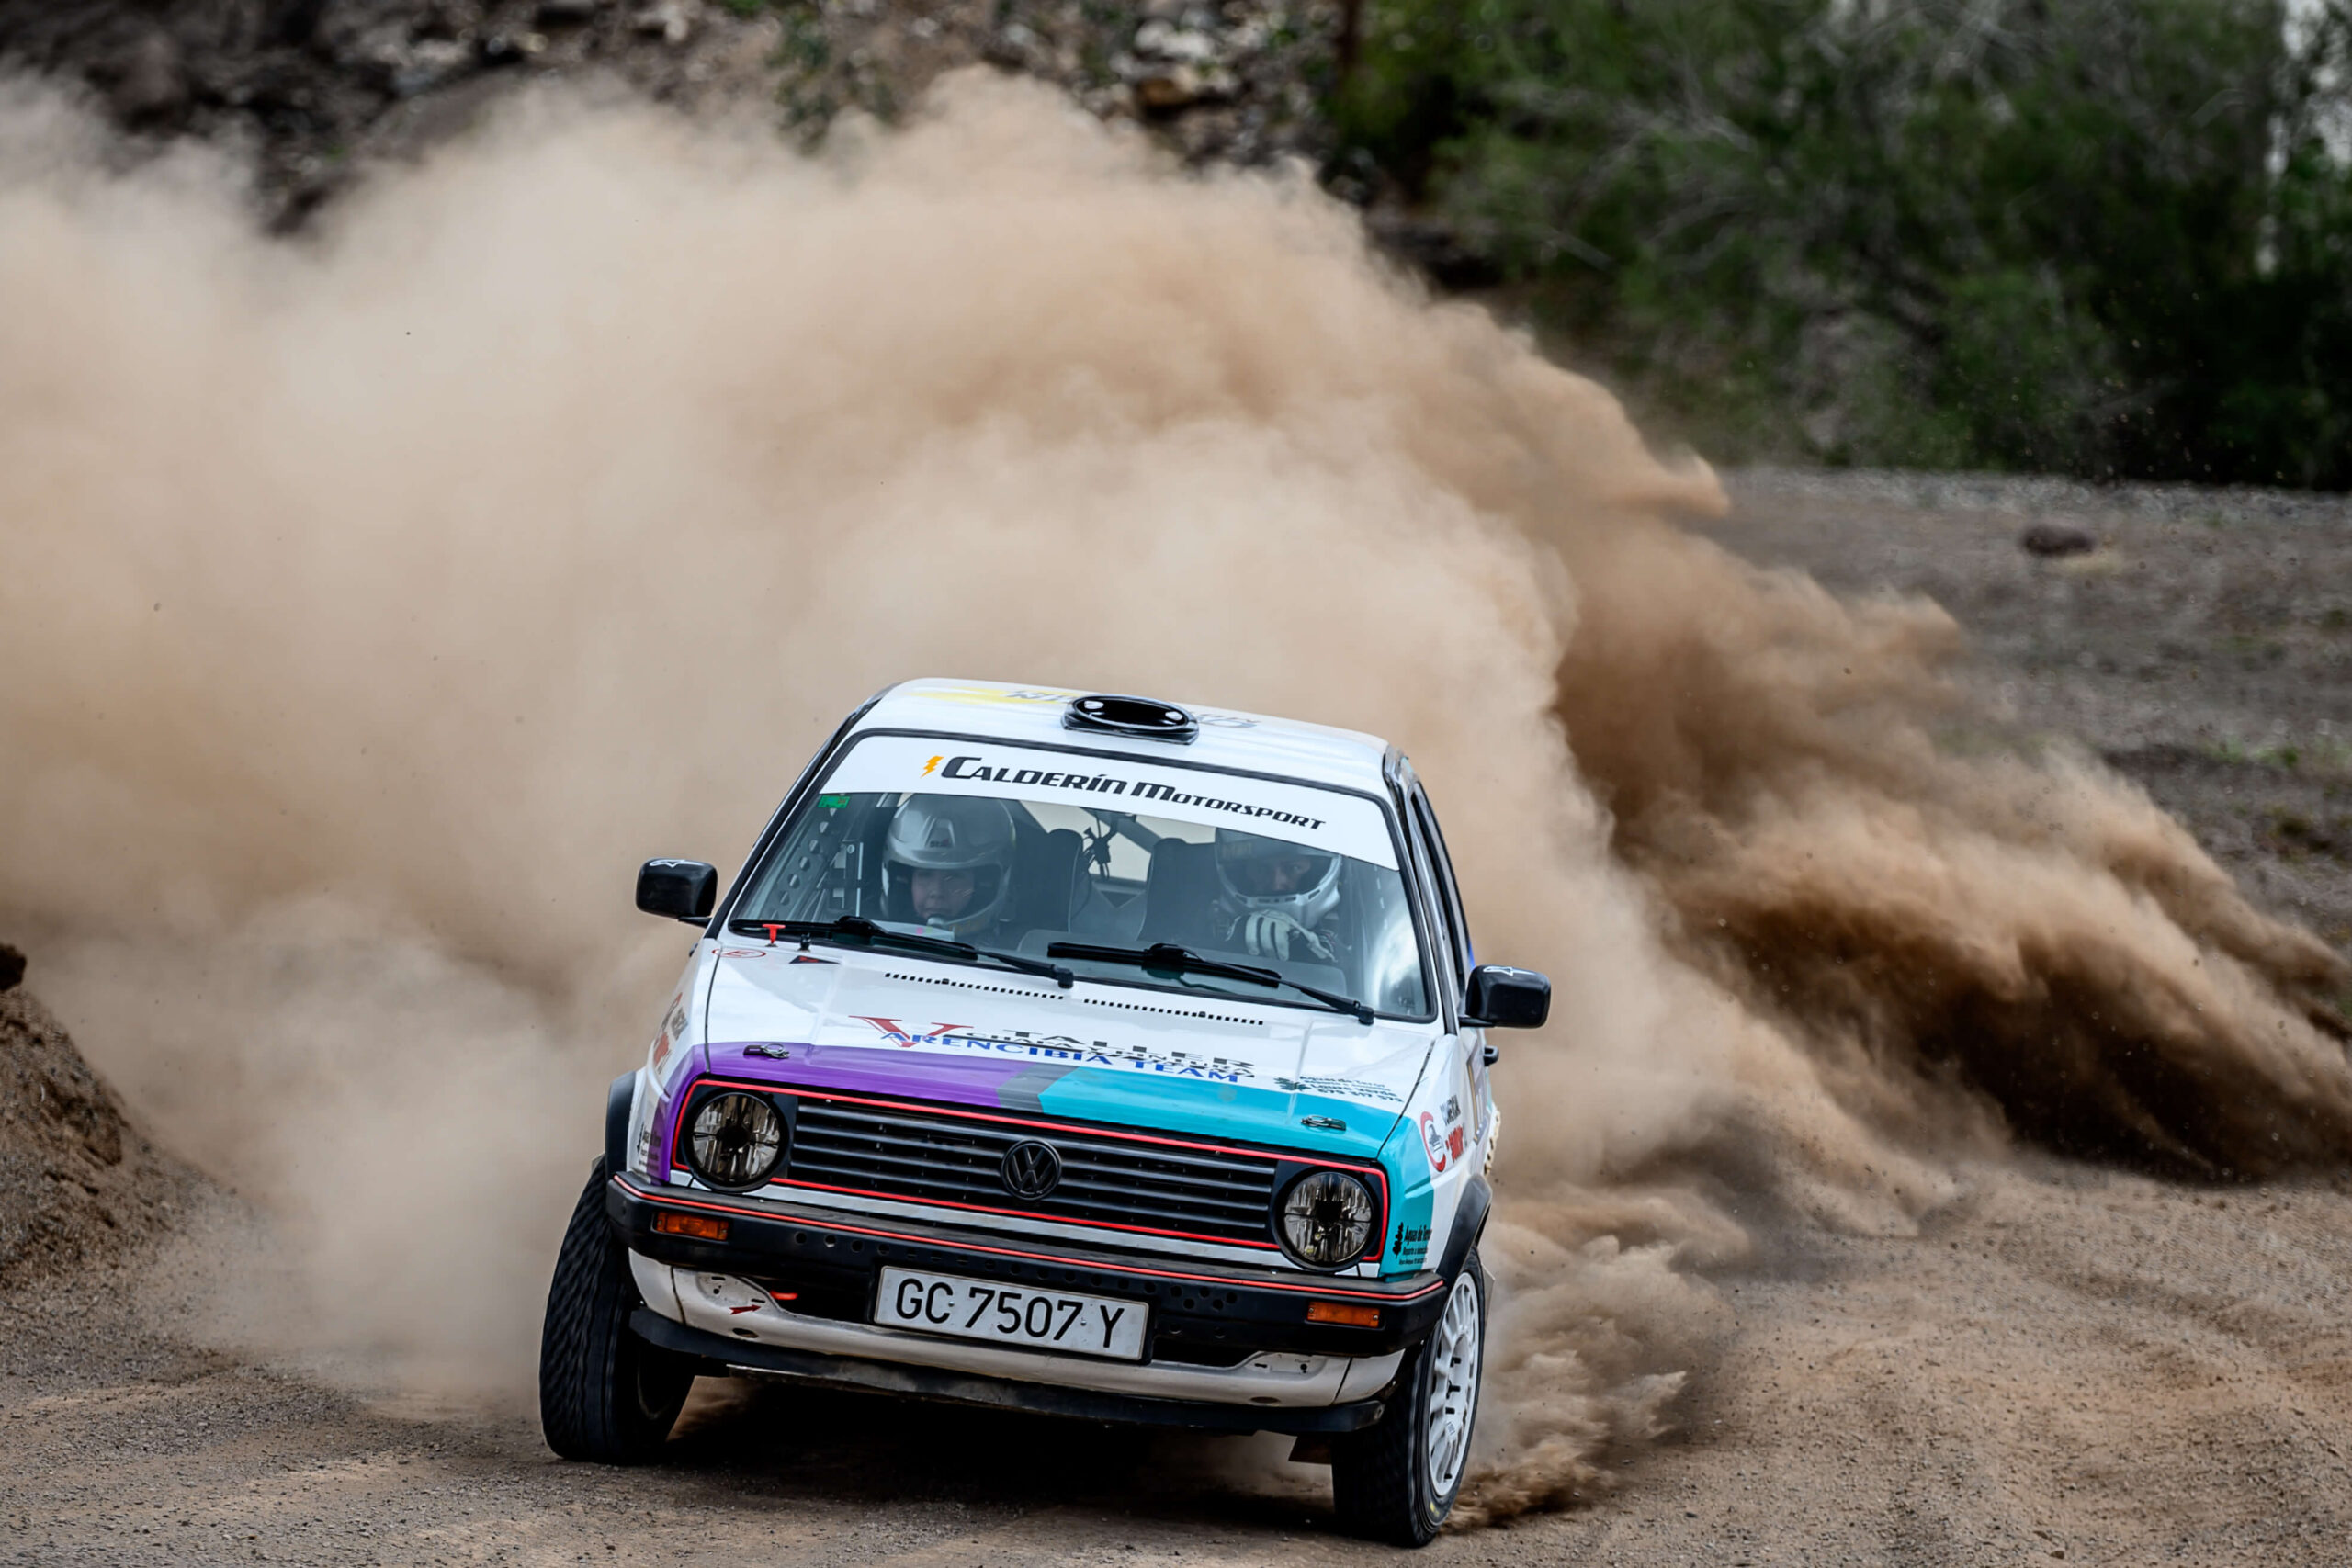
[[1340, 1312], [695, 1226]]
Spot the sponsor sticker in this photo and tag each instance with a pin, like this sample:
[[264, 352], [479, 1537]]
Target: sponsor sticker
[[673, 1032], [985, 694], [1338, 1088], [1432, 1142], [1297, 813], [1410, 1244], [1064, 1048]]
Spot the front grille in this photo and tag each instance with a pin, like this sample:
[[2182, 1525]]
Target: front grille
[[909, 1152]]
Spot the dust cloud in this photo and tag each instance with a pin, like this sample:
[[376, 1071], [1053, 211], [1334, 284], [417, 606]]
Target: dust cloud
[[373, 601]]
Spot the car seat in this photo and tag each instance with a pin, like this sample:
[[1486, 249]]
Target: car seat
[[1044, 875], [1180, 894]]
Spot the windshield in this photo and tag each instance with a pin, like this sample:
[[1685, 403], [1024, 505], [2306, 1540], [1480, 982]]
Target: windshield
[[1007, 850]]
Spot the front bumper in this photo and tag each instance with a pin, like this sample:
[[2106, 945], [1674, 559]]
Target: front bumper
[[954, 1387], [1218, 1334]]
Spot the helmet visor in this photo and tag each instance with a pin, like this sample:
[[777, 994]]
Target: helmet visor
[[946, 895], [1269, 868]]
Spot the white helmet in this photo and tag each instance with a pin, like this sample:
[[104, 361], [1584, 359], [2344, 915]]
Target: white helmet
[[951, 832], [1270, 876]]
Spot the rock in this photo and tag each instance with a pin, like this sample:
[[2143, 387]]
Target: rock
[[512, 48], [1164, 89], [150, 79], [1019, 49], [429, 64], [12, 967], [2052, 539], [1167, 42], [671, 20]]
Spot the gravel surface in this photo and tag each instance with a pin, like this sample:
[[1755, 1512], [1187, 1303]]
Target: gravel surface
[[2067, 1363]]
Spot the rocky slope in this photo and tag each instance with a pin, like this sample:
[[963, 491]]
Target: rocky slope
[[318, 87], [78, 1182]]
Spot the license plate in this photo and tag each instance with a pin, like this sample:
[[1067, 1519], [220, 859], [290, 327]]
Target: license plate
[[981, 1309]]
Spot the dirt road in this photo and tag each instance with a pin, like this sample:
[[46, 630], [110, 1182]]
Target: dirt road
[[2066, 1364], [2070, 1364]]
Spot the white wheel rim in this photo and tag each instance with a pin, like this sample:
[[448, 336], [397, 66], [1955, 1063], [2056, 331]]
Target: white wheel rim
[[1453, 1385]]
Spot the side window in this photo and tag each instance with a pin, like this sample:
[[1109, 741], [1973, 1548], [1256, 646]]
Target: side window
[[1449, 898]]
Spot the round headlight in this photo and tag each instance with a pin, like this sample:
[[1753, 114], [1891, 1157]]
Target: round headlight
[[735, 1140], [1326, 1219]]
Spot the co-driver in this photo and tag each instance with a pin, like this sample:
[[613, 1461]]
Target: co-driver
[[1277, 898]]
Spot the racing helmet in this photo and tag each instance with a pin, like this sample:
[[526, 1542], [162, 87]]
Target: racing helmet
[[950, 833], [1262, 875]]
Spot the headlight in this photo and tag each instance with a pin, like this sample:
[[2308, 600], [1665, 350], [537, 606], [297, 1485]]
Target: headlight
[[735, 1140], [1326, 1219]]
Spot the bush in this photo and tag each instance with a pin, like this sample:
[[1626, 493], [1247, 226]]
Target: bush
[[2104, 236]]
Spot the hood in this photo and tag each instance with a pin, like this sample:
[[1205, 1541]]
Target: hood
[[876, 1024]]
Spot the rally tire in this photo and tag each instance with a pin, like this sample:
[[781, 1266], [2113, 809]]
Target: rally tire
[[605, 1394], [1397, 1480]]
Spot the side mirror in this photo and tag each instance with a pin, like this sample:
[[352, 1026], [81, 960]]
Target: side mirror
[[682, 889], [1504, 998]]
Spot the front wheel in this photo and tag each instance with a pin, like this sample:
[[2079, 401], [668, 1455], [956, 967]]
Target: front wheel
[[605, 1394], [1397, 1480]]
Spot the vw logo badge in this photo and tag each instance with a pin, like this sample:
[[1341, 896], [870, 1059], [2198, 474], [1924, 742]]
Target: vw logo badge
[[1031, 1169]]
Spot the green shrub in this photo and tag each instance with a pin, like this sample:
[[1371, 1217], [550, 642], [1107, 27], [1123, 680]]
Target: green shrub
[[2105, 236]]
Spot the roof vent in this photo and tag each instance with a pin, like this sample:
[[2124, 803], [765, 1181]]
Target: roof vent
[[1145, 718]]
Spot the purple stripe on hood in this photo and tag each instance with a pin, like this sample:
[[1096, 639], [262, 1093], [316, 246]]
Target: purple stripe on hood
[[993, 1082]]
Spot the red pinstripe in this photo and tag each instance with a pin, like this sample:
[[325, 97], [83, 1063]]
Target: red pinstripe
[[1379, 1232], [1326, 1288]]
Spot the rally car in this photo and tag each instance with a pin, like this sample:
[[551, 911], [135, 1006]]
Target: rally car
[[1073, 1053]]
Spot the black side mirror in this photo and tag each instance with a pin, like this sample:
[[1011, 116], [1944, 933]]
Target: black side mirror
[[682, 889], [1504, 998]]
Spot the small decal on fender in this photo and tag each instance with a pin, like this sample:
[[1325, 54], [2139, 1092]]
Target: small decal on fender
[[1432, 1142]]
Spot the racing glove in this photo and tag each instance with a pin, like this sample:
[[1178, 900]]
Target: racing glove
[[1269, 934]]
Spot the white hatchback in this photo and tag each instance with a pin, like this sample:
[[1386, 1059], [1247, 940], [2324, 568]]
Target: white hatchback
[[1073, 1053]]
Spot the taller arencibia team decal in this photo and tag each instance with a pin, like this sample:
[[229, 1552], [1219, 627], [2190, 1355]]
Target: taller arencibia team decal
[[1066, 1049]]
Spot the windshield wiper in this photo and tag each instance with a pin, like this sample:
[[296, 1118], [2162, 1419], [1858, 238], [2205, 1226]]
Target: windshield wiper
[[1170, 959], [857, 930]]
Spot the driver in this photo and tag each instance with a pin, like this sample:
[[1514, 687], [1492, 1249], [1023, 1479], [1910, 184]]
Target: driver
[[948, 863], [1276, 898]]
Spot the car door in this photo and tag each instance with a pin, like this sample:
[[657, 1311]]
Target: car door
[[1459, 958]]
